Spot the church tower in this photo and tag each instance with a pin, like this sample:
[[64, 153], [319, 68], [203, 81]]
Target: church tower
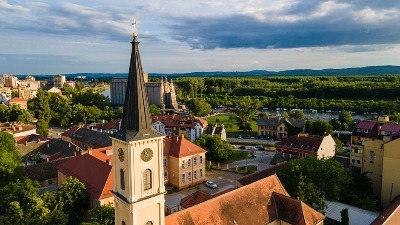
[[138, 156]]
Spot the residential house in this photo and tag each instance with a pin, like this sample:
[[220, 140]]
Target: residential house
[[367, 148], [53, 90], [87, 139], [45, 173], [176, 125], [18, 129], [303, 144], [262, 202], [23, 104], [215, 130], [184, 162], [95, 171], [51, 150], [279, 127]]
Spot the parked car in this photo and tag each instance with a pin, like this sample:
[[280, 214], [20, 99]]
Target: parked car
[[234, 146], [242, 147], [211, 184]]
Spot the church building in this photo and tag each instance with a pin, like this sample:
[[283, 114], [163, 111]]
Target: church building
[[138, 172]]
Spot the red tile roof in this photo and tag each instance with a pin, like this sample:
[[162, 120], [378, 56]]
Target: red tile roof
[[179, 121], [251, 178], [70, 132], [390, 127], [103, 154], [178, 146], [366, 124], [95, 174], [302, 141], [17, 100], [251, 204], [195, 199]]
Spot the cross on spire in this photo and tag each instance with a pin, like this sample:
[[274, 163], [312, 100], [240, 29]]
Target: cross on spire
[[134, 28]]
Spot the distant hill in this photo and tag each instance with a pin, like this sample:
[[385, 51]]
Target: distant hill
[[369, 70]]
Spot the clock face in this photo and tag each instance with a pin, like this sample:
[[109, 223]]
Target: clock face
[[121, 154], [147, 154]]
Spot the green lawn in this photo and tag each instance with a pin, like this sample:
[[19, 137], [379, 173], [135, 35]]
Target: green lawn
[[239, 155], [232, 129]]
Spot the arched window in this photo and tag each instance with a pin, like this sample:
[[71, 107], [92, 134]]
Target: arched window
[[149, 223], [122, 178], [147, 179], [123, 223]]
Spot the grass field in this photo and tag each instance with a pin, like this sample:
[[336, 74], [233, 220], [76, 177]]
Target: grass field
[[230, 124]]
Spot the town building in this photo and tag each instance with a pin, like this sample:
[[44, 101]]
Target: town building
[[215, 130], [51, 150], [87, 139], [10, 81], [177, 125], [302, 145], [95, 171], [71, 83], [390, 215], [22, 103], [53, 90], [59, 81], [390, 171], [184, 163], [18, 129], [279, 127], [367, 148], [162, 93]]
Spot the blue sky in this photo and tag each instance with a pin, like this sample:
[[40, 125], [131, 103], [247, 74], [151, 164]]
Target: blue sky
[[52, 37]]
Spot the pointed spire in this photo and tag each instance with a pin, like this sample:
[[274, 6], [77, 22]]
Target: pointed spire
[[136, 122]]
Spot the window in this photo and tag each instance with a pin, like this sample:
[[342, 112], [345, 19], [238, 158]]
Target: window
[[373, 156], [149, 223], [371, 161], [147, 180], [165, 162], [201, 172], [165, 175], [194, 161], [183, 164], [122, 178], [189, 163], [353, 160], [123, 223], [195, 175], [189, 176], [358, 161], [183, 178], [201, 159]]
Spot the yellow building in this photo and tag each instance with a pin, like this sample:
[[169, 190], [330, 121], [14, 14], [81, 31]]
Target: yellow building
[[184, 162], [367, 148], [390, 173], [277, 127]]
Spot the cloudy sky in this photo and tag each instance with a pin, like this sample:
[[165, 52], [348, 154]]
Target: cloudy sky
[[71, 36]]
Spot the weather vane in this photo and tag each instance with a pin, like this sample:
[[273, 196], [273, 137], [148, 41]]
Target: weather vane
[[134, 28]]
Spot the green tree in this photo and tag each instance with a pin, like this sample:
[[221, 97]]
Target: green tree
[[297, 114], [42, 110], [246, 111], [318, 127], [104, 215], [154, 110], [9, 158], [314, 180], [346, 119], [199, 107], [217, 149], [74, 199]]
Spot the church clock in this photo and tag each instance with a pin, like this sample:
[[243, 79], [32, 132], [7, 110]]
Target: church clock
[[147, 154]]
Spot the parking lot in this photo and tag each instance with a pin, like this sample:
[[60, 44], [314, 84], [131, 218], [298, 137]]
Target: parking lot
[[223, 179]]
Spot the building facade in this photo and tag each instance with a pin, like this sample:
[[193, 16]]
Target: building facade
[[59, 81], [279, 127], [302, 145]]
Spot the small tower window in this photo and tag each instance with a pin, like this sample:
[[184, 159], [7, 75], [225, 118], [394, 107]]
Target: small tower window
[[201, 172], [122, 178], [194, 161], [149, 223], [123, 223], [147, 179], [201, 159], [189, 163], [183, 164], [195, 175]]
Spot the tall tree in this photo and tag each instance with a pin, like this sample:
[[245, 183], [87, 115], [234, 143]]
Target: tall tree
[[217, 149], [199, 107], [9, 158], [101, 215], [246, 111], [297, 114], [42, 110], [318, 127], [154, 110]]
